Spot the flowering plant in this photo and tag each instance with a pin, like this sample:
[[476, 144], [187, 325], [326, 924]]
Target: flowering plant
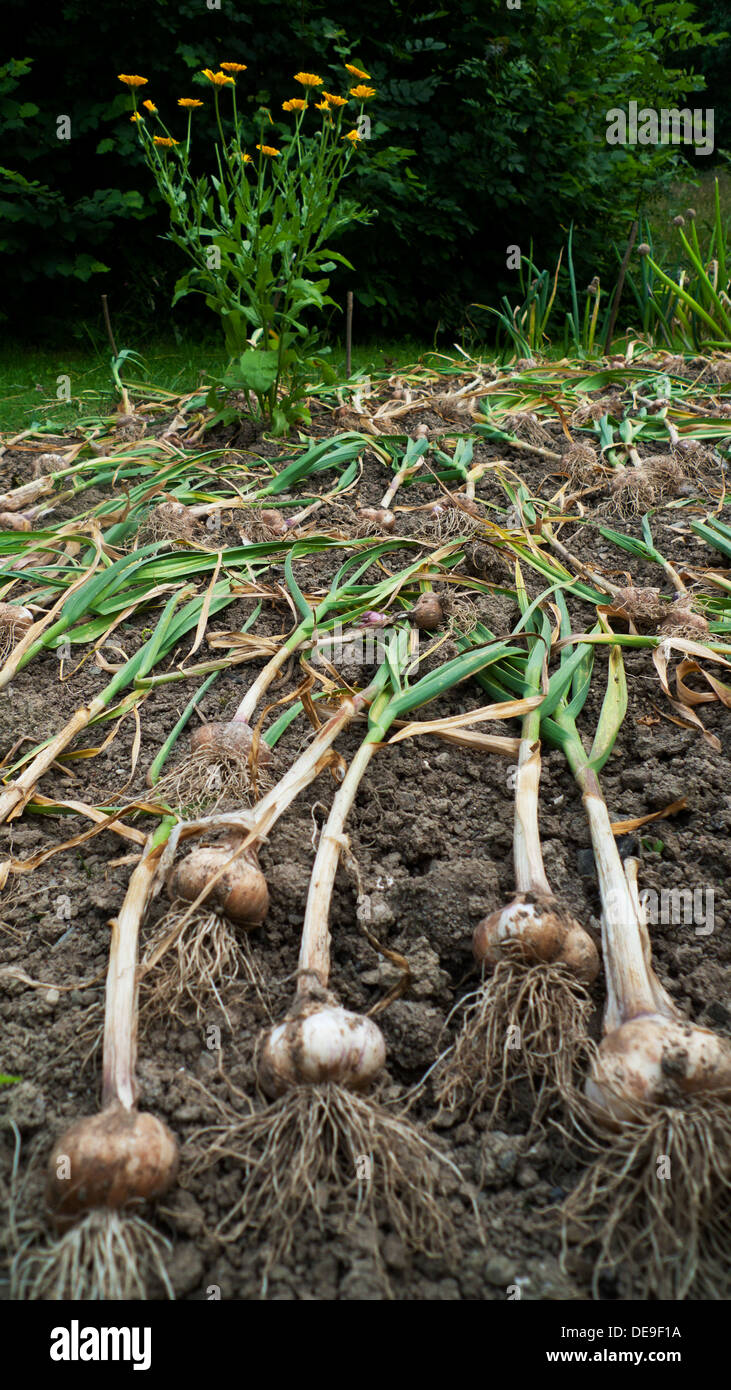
[[258, 230]]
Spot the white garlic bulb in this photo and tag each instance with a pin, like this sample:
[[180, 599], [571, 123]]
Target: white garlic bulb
[[654, 1060], [319, 1043]]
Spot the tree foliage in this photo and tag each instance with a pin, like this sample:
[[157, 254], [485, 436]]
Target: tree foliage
[[489, 131]]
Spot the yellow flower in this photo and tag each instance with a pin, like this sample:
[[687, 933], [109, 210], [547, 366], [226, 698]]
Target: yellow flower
[[357, 72], [352, 135], [233, 67], [189, 101], [362, 92], [334, 100], [294, 104], [268, 149], [219, 79], [308, 79], [137, 117], [322, 106], [165, 141], [246, 159], [150, 106], [132, 81]]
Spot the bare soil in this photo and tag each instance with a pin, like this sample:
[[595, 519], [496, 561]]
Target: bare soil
[[431, 834]]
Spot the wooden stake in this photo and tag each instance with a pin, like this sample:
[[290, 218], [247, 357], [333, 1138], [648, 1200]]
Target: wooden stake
[[108, 323], [349, 333]]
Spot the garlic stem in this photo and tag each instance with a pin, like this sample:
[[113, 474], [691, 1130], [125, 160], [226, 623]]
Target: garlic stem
[[663, 1002], [675, 579], [405, 471], [630, 989], [255, 824], [473, 476], [16, 500], [295, 521], [530, 874], [120, 1017], [271, 806], [602, 583], [253, 695], [314, 955], [15, 796]]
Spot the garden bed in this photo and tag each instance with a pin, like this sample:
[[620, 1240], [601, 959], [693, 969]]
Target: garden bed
[[430, 833]]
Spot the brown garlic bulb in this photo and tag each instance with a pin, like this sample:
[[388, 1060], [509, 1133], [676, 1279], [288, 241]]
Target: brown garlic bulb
[[427, 613], [664, 468], [272, 520], [48, 463], [170, 521], [112, 1159], [581, 461], [681, 621], [241, 893], [655, 1060], [466, 504], [642, 606], [546, 932]]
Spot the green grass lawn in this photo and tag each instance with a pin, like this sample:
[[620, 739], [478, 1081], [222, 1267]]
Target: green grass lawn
[[29, 378]]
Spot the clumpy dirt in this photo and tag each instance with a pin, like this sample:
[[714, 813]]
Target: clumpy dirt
[[430, 839]]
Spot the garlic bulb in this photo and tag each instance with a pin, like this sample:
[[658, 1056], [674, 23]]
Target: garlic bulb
[[48, 463], [170, 521], [111, 1159], [643, 606], [427, 613], [463, 503], [15, 618], [545, 931], [380, 515], [655, 1060], [273, 521], [241, 893], [681, 621], [317, 1043], [233, 739]]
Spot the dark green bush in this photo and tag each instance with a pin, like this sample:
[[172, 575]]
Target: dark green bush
[[502, 111]]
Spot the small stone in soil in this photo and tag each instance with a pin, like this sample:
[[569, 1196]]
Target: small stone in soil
[[499, 1271], [585, 863]]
